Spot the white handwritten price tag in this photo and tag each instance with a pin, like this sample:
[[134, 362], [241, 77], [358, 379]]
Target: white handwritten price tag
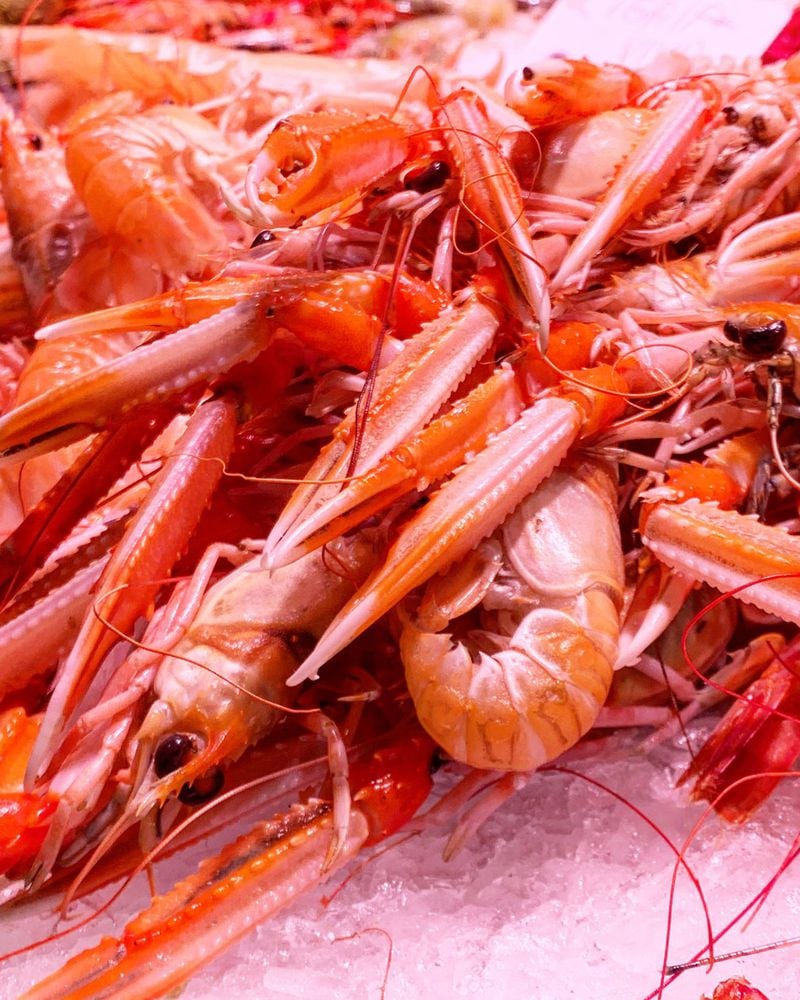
[[633, 32]]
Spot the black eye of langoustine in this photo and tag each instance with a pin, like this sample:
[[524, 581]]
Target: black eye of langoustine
[[172, 753], [759, 337], [203, 789], [265, 236], [428, 178]]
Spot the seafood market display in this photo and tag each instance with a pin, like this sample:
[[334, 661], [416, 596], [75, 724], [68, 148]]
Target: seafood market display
[[360, 419]]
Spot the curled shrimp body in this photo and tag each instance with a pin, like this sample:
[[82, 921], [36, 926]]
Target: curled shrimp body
[[119, 166], [528, 682]]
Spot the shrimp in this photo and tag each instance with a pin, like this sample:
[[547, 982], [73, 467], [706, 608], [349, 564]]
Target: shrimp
[[46, 221], [530, 680], [763, 723], [217, 688], [642, 177], [743, 169], [124, 171], [479, 496], [253, 878], [310, 168], [217, 691]]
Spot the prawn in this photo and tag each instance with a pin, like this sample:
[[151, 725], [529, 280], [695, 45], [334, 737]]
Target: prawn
[[124, 171]]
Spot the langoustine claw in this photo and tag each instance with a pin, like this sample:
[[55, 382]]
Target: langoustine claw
[[133, 575], [249, 881]]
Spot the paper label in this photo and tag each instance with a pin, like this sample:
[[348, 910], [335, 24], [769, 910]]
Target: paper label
[[633, 32]]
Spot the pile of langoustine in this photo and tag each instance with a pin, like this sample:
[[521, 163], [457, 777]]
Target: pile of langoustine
[[388, 408]]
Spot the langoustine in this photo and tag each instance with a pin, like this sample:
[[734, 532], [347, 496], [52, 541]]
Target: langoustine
[[584, 400]]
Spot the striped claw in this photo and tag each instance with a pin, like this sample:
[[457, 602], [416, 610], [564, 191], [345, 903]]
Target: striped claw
[[230, 320], [477, 499], [728, 550], [407, 393], [152, 542], [157, 371], [640, 180], [427, 458], [460, 514], [492, 195]]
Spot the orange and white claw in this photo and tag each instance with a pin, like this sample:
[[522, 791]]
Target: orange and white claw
[[728, 550], [334, 313], [156, 371], [725, 478], [491, 193], [247, 883], [321, 160], [691, 525], [166, 312], [428, 457], [154, 539], [407, 393], [470, 506], [640, 180]]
